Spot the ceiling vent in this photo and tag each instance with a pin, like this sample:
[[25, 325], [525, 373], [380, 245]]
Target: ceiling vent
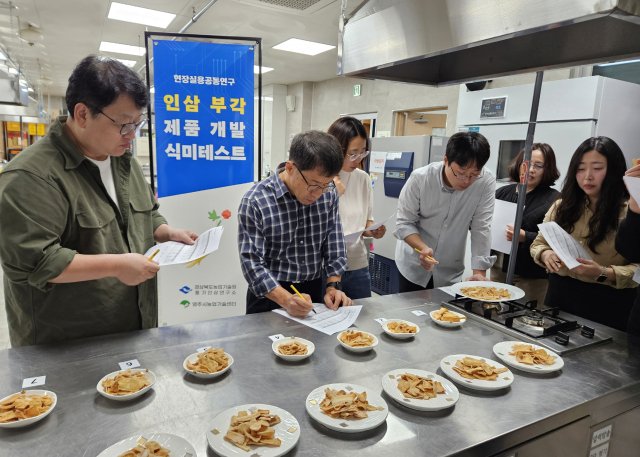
[[291, 6]]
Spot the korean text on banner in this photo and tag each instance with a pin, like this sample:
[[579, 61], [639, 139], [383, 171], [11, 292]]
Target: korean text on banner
[[204, 115]]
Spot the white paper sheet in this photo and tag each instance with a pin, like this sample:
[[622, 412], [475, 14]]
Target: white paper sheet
[[173, 252], [354, 237], [378, 159], [567, 248], [326, 320], [633, 184], [503, 213], [636, 276]]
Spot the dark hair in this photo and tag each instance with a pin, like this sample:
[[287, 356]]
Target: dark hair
[[613, 193], [467, 148], [315, 149], [550, 173], [99, 81], [346, 129]]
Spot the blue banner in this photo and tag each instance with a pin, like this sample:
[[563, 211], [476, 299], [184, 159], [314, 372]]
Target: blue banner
[[203, 115]]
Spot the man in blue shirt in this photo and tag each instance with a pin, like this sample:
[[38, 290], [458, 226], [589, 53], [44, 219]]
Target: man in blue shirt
[[289, 229]]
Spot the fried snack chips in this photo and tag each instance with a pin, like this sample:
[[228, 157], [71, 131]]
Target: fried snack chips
[[413, 386], [125, 383], [486, 293], [471, 368], [525, 353], [356, 339], [401, 327], [293, 348], [255, 428], [443, 314], [150, 449], [342, 405], [20, 406], [210, 361]]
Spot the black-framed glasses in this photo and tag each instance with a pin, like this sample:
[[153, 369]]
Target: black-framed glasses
[[129, 126], [465, 177], [311, 189]]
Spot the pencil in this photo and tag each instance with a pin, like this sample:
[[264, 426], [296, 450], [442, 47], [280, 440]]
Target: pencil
[[153, 255], [300, 295], [635, 162], [428, 257]]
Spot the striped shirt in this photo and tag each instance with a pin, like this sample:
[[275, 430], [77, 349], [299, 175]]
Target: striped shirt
[[280, 239]]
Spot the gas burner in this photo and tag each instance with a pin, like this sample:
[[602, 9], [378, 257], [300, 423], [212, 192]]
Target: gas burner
[[497, 306], [533, 320]]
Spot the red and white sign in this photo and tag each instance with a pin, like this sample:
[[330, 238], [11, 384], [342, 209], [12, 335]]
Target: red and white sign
[[524, 170]]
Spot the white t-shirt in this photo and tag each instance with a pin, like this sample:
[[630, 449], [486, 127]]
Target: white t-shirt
[[356, 208], [107, 178]]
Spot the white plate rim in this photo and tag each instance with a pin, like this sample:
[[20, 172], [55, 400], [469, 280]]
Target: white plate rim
[[133, 439], [32, 420], [518, 293], [226, 414], [310, 348], [510, 360], [476, 384], [206, 375], [329, 423], [416, 404], [131, 396], [359, 349], [447, 323], [400, 336]]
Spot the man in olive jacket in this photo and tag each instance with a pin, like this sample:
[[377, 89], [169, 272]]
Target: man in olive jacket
[[76, 215]]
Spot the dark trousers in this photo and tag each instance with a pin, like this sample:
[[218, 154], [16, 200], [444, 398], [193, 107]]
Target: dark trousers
[[262, 304], [596, 302], [407, 286]]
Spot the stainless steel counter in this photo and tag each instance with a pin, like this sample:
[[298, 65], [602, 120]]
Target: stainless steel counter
[[481, 424]]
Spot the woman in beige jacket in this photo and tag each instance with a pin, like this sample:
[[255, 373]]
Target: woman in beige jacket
[[592, 203]]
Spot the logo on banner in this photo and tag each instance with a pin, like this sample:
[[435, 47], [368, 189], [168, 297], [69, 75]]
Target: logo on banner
[[204, 109], [185, 290], [185, 303]]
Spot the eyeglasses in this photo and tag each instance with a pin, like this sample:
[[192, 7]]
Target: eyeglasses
[[129, 126], [354, 157], [311, 189], [465, 177], [538, 166]]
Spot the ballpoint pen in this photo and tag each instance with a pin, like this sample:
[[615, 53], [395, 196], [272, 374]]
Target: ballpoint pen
[[300, 295]]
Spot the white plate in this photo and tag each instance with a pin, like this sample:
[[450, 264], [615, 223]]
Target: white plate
[[310, 348], [347, 425], [32, 420], [515, 292], [149, 374], [179, 447], [222, 422], [504, 379], [442, 401], [501, 350], [448, 323], [193, 358], [358, 349], [401, 336]]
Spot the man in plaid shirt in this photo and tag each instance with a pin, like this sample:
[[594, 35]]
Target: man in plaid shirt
[[289, 229]]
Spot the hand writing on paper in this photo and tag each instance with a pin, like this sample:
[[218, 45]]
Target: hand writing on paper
[[133, 269], [588, 268], [334, 297], [510, 234], [298, 307], [426, 259], [633, 172], [551, 260]]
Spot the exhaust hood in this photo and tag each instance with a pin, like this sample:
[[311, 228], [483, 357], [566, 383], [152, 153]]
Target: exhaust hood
[[442, 42]]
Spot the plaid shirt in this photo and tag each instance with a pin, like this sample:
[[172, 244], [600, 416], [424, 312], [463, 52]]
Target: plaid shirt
[[280, 239]]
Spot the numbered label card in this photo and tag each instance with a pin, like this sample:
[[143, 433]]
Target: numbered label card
[[600, 451], [380, 320], [129, 364], [276, 337], [32, 382], [600, 436], [199, 350], [419, 313]]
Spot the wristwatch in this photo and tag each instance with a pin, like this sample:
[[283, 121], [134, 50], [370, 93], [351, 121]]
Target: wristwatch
[[603, 275], [336, 285]]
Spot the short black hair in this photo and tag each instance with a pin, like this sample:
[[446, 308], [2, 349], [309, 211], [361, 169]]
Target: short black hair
[[315, 149], [99, 81], [467, 148], [550, 174]]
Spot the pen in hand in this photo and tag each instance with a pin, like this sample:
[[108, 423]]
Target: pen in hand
[[300, 295], [427, 256], [153, 255]]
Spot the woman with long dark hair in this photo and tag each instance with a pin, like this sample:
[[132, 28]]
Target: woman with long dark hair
[[543, 173], [356, 204], [592, 203]]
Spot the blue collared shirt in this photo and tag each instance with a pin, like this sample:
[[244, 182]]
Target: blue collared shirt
[[280, 239]]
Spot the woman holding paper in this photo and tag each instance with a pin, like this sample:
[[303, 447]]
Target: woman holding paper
[[543, 173], [356, 204], [592, 203]]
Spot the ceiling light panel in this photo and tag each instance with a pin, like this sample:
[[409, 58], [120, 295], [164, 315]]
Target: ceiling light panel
[[310, 48], [256, 69], [118, 48], [137, 15]]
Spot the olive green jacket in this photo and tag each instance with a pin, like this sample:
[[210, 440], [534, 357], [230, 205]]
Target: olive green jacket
[[53, 205]]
